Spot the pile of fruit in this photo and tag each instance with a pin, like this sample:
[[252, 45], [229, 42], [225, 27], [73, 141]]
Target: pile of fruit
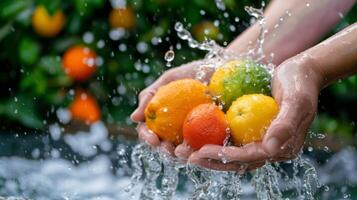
[[235, 105]]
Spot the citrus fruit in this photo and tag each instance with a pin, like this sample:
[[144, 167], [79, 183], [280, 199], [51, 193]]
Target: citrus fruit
[[122, 18], [205, 124], [205, 29], [45, 24], [249, 117], [237, 78], [79, 63], [166, 111], [84, 108]]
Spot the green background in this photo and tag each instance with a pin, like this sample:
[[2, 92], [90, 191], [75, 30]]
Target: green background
[[33, 85]]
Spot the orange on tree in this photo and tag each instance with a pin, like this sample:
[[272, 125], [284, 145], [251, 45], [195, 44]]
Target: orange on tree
[[85, 108], [79, 63], [249, 116], [122, 18], [205, 30], [166, 111], [45, 24], [205, 124]]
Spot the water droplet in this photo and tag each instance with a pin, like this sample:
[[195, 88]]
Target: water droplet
[[310, 149], [169, 57]]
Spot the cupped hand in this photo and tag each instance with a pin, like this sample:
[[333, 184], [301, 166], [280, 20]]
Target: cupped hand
[[145, 135], [295, 87]]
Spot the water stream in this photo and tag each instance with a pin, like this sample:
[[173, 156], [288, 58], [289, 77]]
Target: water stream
[[88, 165]]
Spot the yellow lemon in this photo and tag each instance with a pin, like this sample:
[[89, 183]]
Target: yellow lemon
[[46, 25], [237, 78], [249, 117]]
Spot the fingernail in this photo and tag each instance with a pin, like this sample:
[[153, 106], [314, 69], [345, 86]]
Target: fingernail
[[132, 116], [273, 146]]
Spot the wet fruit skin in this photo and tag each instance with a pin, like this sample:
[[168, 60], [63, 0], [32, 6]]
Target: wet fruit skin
[[237, 78], [122, 18], [46, 25], [79, 63], [166, 111], [205, 124], [85, 108], [250, 116]]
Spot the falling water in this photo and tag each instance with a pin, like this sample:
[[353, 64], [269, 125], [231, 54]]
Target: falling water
[[296, 179]]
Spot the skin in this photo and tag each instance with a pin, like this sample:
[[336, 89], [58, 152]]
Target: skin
[[296, 83]]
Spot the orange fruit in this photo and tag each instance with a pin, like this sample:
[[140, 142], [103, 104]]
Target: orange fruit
[[45, 24], [84, 108], [205, 30], [166, 111], [250, 116], [122, 18], [205, 124], [79, 63]]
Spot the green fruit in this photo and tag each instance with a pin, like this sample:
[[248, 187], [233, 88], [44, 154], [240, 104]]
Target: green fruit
[[237, 78]]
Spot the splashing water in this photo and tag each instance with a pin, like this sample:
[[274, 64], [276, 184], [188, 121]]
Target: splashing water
[[271, 181], [169, 57], [155, 175]]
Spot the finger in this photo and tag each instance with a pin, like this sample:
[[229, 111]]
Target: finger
[[147, 94], [195, 159], [138, 115], [147, 136], [255, 166], [183, 151], [249, 153], [284, 127], [167, 147]]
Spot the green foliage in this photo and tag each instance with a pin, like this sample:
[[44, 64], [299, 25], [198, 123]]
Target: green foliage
[[31, 68]]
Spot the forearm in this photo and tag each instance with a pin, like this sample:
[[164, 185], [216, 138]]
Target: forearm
[[308, 22], [335, 57]]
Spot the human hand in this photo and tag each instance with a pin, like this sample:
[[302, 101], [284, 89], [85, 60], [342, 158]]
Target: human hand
[[145, 135], [295, 87]]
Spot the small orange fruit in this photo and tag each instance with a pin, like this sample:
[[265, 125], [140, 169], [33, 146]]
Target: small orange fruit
[[205, 124], [46, 25], [205, 30], [79, 63], [84, 108], [249, 116], [166, 111], [122, 18]]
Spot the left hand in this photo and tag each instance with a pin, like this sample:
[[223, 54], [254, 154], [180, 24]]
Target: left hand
[[295, 88]]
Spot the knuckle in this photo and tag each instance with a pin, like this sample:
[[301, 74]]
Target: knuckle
[[168, 75]]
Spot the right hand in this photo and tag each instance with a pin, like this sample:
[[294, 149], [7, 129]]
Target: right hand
[[145, 135]]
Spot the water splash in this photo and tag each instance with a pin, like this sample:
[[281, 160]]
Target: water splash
[[169, 57], [270, 181]]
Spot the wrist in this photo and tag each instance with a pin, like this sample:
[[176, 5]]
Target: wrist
[[310, 69]]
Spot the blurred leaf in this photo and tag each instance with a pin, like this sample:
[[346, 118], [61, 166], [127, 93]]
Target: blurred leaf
[[51, 64], [62, 44], [29, 51], [4, 30], [24, 17], [22, 109], [35, 82], [86, 7], [74, 23], [156, 31], [10, 8]]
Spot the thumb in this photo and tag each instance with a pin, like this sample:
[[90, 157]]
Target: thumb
[[138, 115], [283, 127]]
